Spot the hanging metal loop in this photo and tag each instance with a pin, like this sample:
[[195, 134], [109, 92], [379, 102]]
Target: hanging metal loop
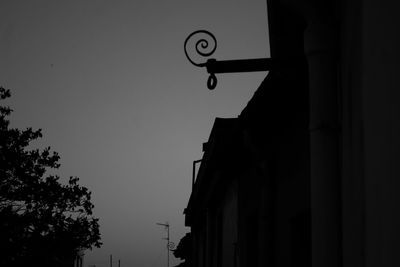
[[212, 81]]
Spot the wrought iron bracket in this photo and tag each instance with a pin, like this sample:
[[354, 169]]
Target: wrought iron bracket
[[204, 49]]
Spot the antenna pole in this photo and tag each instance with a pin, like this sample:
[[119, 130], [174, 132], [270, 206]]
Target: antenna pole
[[168, 246], [166, 225]]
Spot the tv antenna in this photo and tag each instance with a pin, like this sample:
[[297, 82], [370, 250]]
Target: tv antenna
[[170, 245]]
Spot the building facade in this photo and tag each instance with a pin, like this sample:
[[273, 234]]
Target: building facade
[[307, 175]]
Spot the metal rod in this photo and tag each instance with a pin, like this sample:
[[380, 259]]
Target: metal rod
[[204, 44], [240, 65]]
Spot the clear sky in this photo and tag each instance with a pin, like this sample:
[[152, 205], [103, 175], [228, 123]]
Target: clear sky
[[109, 84]]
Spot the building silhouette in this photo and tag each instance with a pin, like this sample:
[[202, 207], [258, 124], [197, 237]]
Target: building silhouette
[[308, 173]]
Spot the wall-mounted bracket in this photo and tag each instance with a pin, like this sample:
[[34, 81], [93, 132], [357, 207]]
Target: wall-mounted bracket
[[213, 66]]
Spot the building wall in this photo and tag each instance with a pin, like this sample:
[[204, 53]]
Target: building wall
[[373, 120], [353, 60], [321, 48], [215, 234], [352, 55], [252, 220], [324, 194], [229, 225], [274, 216]]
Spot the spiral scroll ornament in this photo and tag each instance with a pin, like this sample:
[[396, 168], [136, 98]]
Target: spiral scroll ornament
[[205, 46]]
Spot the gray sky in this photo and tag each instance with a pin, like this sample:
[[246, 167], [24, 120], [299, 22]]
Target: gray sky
[[109, 84]]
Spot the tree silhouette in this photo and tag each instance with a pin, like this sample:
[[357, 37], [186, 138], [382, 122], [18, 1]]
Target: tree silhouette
[[184, 250], [42, 221]]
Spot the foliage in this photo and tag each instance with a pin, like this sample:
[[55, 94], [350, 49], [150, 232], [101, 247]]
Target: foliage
[[42, 221], [184, 248]]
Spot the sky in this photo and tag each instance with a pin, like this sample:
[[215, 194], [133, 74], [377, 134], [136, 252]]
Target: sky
[[110, 87]]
